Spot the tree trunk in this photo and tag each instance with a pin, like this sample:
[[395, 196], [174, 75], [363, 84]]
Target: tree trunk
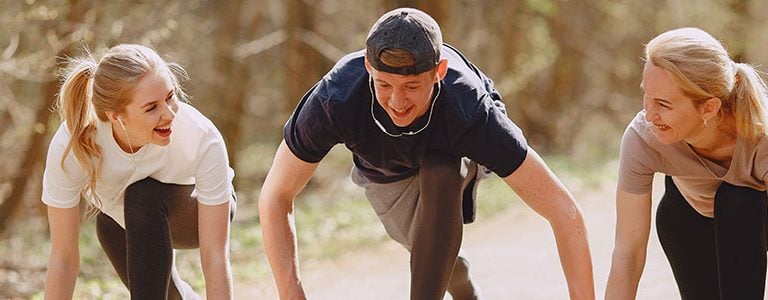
[[303, 63], [231, 86], [37, 140]]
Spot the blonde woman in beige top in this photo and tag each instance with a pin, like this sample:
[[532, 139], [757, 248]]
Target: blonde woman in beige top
[[703, 125]]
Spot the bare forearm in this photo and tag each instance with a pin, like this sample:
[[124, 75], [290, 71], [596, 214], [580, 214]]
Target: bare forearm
[[280, 246], [60, 279], [633, 225], [575, 257], [626, 270], [218, 277]]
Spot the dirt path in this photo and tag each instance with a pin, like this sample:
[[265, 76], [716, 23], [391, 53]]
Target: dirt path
[[513, 256]]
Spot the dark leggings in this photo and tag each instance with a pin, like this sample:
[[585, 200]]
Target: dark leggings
[[715, 258], [438, 231], [158, 218]]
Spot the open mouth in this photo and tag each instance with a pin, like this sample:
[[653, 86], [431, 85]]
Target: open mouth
[[400, 113], [661, 127], [164, 131]]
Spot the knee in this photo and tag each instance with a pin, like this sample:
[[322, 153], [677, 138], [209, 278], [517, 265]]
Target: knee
[[142, 192], [143, 202], [461, 269], [440, 168], [739, 198]]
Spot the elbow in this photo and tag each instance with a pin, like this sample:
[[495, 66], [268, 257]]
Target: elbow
[[63, 267], [271, 205], [215, 264], [567, 215], [631, 258], [629, 262]]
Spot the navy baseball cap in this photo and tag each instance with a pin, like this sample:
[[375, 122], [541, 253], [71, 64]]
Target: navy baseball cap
[[407, 29]]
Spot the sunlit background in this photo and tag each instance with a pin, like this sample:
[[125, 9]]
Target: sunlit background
[[569, 72]]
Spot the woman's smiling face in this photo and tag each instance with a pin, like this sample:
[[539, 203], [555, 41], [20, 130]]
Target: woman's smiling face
[[148, 116], [673, 114]]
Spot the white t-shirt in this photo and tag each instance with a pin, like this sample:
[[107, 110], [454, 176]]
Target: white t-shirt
[[697, 178], [196, 156]]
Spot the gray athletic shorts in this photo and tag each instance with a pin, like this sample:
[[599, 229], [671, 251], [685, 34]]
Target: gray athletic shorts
[[395, 203]]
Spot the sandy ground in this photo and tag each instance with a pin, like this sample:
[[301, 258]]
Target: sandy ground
[[513, 256]]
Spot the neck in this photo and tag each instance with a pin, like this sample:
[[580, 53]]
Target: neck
[[124, 142], [717, 135]]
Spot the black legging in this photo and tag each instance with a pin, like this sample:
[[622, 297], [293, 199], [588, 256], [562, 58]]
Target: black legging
[[158, 218], [715, 258]]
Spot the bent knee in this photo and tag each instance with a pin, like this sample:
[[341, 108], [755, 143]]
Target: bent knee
[[440, 167]]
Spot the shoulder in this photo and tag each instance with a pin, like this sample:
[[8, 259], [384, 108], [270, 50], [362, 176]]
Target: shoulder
[[462, 76], [469, 93], [638, 159], [760, 154], [192, 124], [344, 80], [640, 149], [638, 133], [62, 135], [339, 92], [58, 145]]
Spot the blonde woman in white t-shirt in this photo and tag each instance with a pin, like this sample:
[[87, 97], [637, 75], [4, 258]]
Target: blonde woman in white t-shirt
[[152, 169], [704, 126]]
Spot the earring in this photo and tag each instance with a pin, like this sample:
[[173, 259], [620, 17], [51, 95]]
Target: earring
[[705, 122]]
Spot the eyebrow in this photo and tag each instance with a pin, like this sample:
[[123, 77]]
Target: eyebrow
[[153, 102], [668, 102]]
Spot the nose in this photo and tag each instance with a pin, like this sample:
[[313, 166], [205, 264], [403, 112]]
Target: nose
[[650, 113], [397, 99], [169, 112]]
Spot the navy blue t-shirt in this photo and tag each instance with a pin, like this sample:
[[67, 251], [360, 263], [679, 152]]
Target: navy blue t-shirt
[[468, 120]]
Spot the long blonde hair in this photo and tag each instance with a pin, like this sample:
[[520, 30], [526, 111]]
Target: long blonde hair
[[90, 89], [701, 67]]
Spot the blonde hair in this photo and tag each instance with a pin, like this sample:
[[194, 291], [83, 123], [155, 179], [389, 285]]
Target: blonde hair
[[90, 89], [701, 67]]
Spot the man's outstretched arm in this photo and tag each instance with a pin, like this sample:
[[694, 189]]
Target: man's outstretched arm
[[287, 177], [535, 183]]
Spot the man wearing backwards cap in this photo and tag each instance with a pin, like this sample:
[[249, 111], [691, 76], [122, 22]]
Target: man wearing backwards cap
[[423, 124]]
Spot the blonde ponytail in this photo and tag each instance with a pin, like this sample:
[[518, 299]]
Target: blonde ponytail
[[75, 107], [749, 99]]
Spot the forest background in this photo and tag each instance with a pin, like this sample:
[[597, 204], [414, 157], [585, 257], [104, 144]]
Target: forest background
[[568, 70]]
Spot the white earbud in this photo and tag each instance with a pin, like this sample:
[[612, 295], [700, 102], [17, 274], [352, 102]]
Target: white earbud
[[119, 120]]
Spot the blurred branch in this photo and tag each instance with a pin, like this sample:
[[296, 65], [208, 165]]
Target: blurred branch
[[259, 45], [9, 109], [13, 44], [15, 69], [36, 67], [321, 45]]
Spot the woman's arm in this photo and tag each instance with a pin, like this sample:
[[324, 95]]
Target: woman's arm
[[535, 183], [64, 262], [213, 233], [633, 225]]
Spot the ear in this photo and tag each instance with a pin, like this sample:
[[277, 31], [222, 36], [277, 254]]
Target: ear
[[442, 69], [367, 65], [710, 107], [112, 116]]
